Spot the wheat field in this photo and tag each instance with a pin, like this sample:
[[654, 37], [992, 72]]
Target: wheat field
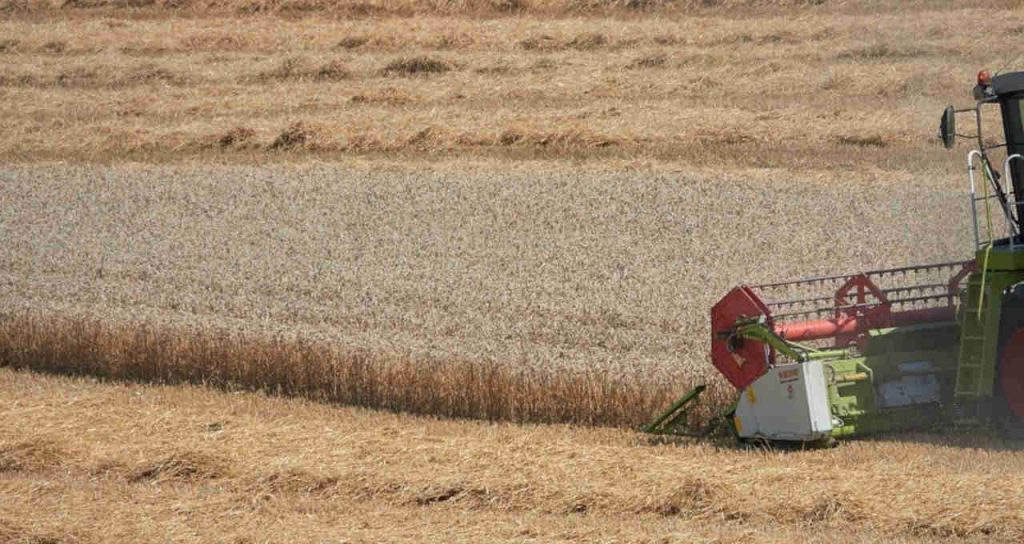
[[515, 211], [599, 280]]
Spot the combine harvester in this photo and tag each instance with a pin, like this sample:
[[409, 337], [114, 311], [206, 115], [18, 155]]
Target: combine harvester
[[849, 355]]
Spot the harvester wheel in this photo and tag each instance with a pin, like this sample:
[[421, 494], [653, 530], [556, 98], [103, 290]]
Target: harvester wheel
[[1010, 397]]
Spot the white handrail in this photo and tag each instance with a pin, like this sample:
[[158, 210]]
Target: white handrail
[[974, 153], [1009, 205], [1013, 199]]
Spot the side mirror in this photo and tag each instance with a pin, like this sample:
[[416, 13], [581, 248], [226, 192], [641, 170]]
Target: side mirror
[[947, 127]]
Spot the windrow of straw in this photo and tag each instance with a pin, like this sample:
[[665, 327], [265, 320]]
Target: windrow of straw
[[487, 390]]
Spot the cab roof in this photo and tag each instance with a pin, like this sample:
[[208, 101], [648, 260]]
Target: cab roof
[[1008, 83]]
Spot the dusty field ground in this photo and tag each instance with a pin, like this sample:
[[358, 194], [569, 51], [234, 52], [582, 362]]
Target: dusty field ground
[[86, 462]]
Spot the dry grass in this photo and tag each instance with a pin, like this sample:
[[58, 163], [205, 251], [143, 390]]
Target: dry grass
[[416, 66], [190, 465], [30, 455], [87, 86], [297, 69]]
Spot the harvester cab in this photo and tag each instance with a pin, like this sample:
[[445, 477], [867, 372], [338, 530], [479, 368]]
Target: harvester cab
[[883, 350]]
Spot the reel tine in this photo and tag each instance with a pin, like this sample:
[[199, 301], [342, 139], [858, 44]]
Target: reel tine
[[909, 286]]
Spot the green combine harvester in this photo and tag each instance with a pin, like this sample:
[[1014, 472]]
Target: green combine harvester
[[849, 355]]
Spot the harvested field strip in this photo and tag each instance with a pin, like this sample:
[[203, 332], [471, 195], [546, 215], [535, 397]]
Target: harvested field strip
[[318, 371], [825, 89], [240, 467]]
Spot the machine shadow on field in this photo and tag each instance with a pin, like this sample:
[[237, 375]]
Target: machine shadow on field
[[977, 439], [965, 442], [721, 440]]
